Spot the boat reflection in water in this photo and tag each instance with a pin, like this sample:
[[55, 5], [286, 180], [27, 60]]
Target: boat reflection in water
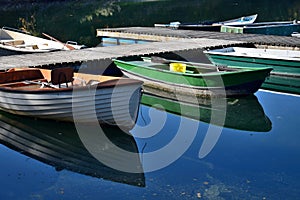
[[58, 144], [243, 113]]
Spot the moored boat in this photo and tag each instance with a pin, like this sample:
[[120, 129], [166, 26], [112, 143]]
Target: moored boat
[[281, 28], [285, 63], [14, 40], [210, 26], [62, 95], [197, 79]]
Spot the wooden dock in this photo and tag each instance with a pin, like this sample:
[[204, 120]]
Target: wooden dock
[[165, 40], [108, 53], [166, 34]]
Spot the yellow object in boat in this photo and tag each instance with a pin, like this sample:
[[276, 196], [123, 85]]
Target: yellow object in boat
[[178, 67]]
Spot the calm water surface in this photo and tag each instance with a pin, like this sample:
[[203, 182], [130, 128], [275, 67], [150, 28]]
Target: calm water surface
[[256, 154], [242, 164]]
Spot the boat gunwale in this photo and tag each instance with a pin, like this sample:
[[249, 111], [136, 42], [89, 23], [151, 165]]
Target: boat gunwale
[[219, 52], [15, 34], [110, 83], [24, 50], [106, 84], [197, 75], [263, 25], [197, 87]]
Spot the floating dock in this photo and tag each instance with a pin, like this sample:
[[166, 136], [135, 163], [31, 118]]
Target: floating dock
[[164, 40], [166, 34], [108, 53]]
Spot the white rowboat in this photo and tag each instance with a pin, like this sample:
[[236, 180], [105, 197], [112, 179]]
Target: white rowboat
[[18, 41], [88, 98]]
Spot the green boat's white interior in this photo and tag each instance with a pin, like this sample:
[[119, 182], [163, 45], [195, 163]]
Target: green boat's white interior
[[190, 67], [165, 67], [257, 53]]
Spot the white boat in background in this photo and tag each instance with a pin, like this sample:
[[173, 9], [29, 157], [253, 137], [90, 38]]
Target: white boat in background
[[62, 95], [22, 42], [210, 26], [245, 20]]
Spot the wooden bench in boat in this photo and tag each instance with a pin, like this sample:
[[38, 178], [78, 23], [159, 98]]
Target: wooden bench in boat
[[13, 76], [13, 42], [19, 44], [44, 78], [37, 77]]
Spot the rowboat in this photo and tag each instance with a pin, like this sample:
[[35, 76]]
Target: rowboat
[[285, 63], [203, 80], [210, 26], [14, 40], [281, 28], [62, 95], [245, 20], [59, 145]]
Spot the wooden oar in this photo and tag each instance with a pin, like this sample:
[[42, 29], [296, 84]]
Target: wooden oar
[[65, 44]]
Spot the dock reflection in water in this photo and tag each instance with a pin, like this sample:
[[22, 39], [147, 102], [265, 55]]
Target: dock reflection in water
[[58, 144], [244, 113]]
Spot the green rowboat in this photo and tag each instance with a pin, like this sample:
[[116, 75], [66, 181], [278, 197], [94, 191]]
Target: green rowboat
[[281, 28], [201, 80], [285, 76]]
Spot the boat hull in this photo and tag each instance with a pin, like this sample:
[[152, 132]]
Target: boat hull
[[286, 72], [271, 28], [213, 84], [12, 40], [116, 105], [217, 26]]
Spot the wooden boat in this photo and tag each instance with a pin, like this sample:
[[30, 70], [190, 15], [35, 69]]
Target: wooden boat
[[193, 78], [62, 95], [243, 113], [58, 144], [17, 41], [210, 26], [284, 28], [285, 63]]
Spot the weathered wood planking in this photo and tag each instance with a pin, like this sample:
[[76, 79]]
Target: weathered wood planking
[[164, 34], [103, 53], [169, 40]]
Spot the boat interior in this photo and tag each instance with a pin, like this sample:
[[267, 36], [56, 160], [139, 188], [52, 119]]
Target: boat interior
[[34, 78], [259, 52], [182, 66], [13, 38], [21, 40]]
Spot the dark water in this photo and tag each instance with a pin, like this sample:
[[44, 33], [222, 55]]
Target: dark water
[[78, 20], [241, 165], [254, 156]]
